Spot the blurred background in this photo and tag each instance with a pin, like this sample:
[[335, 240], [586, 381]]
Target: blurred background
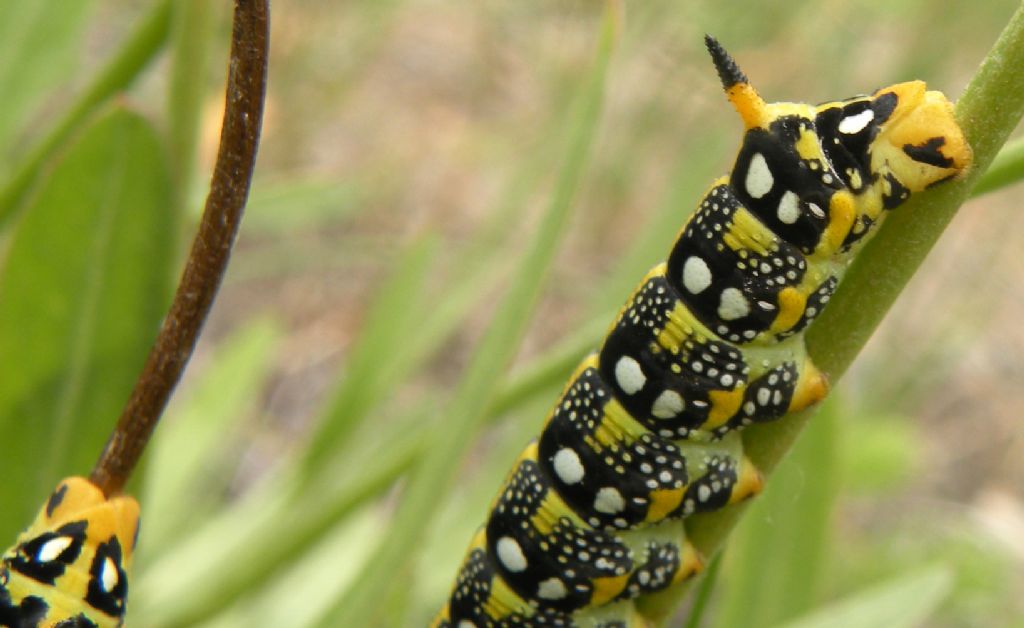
[[409, 152]]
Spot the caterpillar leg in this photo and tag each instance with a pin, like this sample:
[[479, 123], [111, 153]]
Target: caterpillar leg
[[664, 557], [72, 563], [481, 597], [811, 387]]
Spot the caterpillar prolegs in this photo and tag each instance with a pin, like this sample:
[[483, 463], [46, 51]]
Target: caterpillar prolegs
[[592, 515]]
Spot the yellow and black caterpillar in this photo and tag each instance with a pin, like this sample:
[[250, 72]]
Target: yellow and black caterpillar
[[645, 432]]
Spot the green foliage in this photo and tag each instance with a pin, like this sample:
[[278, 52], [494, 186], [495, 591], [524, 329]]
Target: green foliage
[[905, 601], [187, 463], [39, 43], [358, 510], [116, 75], [76, 317], [774, 564]]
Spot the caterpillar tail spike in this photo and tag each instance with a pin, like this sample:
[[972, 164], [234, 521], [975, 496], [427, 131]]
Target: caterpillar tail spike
[[646, 432], [741, 93]]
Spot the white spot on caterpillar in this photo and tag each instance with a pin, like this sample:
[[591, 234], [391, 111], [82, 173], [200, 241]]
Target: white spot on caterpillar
[[510, 554], [609, 501], [696, 275], [851, 125], [817, 211], [568, 466], [465, 623], [732, 305], [551, 589], [703, 493], [53, 548], [629, 375], [108, 576], [789, 208], [667, 405], [759, 178]]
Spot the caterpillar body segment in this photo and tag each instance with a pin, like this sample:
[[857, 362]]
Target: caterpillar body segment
[[645, 434], [69, 568]]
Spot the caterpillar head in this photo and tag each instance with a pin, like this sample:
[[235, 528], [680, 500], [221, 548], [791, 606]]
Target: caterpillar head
[[902, 130], [73, 560], [920, 142], [823, 175]]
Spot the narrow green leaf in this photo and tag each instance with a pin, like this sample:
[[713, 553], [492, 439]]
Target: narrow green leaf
[[775, 560], [119, 72], [306, 203], [39, 49], [300, 590], [366, 598], [708, 581], [890, 454], [408, 325], [186, 475], [368, 375], [191, 35], [906, 601], [193, 580], [1006, 169], [82, 292], [550, 369]]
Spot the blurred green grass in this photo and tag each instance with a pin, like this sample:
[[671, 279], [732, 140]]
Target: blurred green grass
[[409, 152]]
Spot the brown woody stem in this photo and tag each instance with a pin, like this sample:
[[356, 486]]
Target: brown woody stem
[[229, 188]]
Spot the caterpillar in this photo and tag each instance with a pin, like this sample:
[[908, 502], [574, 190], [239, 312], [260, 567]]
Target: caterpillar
[[69, 568], [646, 432]]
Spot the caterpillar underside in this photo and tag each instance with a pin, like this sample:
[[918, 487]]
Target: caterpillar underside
[[644, 435]]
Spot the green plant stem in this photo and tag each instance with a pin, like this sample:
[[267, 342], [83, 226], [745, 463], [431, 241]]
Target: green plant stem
[[547, 370], [119, 72], [707, 586], [988, 111], [291, 533]]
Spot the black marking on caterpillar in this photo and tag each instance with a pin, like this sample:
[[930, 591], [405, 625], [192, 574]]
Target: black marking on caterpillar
[[75, 555], [644, 434]]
